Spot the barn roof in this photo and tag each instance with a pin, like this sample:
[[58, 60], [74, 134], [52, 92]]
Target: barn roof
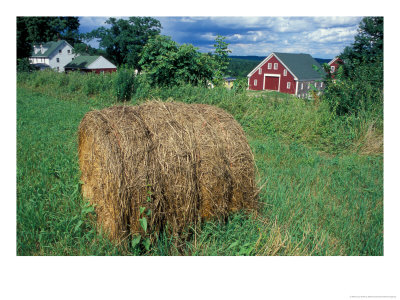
[[301, 65], [82, 61], [51, 47]]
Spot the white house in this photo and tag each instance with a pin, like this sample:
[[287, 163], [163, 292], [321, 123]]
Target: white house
[[54, 55]]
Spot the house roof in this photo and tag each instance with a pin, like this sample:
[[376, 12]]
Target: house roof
[[300, 65], [82, 61], [333, 60], [51, 47]]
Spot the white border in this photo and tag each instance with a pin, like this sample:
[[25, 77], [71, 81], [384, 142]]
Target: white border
[[272, 75]]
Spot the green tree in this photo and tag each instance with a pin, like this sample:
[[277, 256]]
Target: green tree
[[125, 39], [32, 30], [85, 49], [221, 59], [167, 63], [358, 84]]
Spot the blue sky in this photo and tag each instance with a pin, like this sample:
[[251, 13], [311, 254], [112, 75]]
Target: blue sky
[[322, 37]]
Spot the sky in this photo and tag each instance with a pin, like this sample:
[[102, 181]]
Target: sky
[[322, 37]]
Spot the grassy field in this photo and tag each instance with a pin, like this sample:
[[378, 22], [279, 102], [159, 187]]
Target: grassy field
[[321, 176]]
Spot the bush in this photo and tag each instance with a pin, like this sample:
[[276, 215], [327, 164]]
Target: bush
[[23, 65], [362, 91], [239, 85], [125, 84]]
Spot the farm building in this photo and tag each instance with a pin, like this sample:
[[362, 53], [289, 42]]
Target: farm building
[[54, 55], [335, 64], [289, 73], [94, 64], [228, 82]]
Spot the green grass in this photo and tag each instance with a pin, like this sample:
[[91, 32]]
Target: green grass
[[320, 195]]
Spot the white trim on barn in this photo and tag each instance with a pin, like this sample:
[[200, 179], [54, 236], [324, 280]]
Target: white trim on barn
[[297, 87], [265, 60], [272, 75], [333, 60]]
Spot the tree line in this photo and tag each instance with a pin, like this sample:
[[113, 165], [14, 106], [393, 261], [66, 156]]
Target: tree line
[[134, 43]]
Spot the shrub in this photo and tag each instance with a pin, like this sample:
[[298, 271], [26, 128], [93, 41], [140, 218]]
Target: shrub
[[124, 84]]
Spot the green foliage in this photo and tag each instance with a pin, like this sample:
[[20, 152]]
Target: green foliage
[[240, 85], [125, 84], [358, 84], [84, 49], [165, 63], [23, 65], [221, 59], [124, 40], [239, 67]]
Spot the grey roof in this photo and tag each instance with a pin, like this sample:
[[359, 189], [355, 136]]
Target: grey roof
[[51, 47], [82, 61], [301, 65]]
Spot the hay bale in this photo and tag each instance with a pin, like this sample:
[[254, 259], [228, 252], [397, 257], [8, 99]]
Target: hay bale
[[183, 162]]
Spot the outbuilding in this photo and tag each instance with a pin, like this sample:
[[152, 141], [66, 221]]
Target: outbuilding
[[90, 63], [289, 73]]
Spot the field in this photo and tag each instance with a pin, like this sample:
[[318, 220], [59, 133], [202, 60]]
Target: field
[[321, 177]]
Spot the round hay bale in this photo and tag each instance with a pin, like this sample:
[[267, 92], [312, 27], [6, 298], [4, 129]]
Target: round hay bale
[[181, 163]]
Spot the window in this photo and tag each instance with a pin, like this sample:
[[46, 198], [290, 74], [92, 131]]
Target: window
[[332, 69], [275, 66], [68, 51], [58, 60], [322, 84], [59, 51], [284, 72], [269, 66], [288, 85], [315, 84], [255, 81], [58, 68], [259, 71]]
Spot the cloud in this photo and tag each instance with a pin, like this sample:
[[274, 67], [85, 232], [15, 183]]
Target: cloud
[[338, 34], [322, 37]]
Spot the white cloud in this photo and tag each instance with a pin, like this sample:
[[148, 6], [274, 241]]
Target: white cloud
[[336, 21], [323, 35]]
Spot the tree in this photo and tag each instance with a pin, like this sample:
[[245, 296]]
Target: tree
[[32, 30], [85, 49], [125, 39], [358, 83], [167, 63], [367, 47], [221, 59]]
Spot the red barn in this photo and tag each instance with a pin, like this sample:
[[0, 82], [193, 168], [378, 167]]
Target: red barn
[[335, 64], [287, 73]]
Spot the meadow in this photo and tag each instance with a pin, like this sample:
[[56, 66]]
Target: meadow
[[321, 176]]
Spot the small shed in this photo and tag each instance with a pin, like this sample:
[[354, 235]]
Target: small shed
[[91, 64], [228, 82]]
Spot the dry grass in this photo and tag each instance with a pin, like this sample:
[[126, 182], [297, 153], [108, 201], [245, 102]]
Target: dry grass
[[371, 142], [177, 163]]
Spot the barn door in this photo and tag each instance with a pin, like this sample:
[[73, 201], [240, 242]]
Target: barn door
[[271, 83]]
